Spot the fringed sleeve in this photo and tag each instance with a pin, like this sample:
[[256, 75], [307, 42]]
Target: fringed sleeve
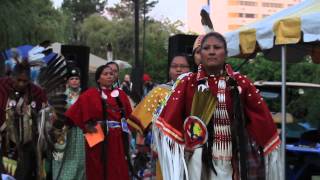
[[273, 165], [261, 127], [168, 133]]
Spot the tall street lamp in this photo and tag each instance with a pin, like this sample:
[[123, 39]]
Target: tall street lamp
[[137, 70]]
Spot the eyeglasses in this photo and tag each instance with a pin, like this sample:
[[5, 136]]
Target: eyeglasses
[[175, 66]]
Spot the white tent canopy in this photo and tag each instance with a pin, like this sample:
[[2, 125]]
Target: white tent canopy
[[299, 24]]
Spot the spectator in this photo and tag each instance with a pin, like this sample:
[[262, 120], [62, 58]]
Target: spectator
[[147, 84], [126, 85]]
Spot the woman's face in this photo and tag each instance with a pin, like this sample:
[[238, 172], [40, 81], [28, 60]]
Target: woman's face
[[213, 53], [178, 66], [106, 78], [115, 71], [74, 82], [197, 56]]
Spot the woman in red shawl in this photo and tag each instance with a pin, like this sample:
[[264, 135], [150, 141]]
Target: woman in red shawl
[[219, 116], [108, 108]]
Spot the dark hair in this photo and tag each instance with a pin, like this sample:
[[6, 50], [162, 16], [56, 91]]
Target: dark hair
[[99, 71], [73, 71], [188, 58], [217, 35], [112, 62], [22, 68], [182, 55]]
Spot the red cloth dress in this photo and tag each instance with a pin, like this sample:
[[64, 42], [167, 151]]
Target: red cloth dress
[[89, 107]]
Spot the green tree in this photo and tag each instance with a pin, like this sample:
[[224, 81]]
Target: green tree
[[156, 48], [125, 8], [81, 9], [258, 68], [154, 36], [261, 68], [78, 10], [30, 22], [99, 31]]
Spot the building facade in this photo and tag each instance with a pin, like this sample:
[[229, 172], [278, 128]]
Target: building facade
[[228, 15]]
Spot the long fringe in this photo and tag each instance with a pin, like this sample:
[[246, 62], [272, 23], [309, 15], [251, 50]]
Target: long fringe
[[171, 156], [273, 166]]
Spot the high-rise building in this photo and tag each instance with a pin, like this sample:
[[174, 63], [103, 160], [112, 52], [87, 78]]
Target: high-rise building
[[228, 15]]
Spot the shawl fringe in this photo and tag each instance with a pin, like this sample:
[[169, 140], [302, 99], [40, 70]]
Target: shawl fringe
[[273, 165], [171, 156]]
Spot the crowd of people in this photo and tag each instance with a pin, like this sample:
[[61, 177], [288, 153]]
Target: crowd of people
[[206, 122]]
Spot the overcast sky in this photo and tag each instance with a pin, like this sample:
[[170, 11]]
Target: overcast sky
[[172, 9]]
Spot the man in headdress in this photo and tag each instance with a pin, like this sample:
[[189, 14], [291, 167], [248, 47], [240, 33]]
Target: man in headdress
[[20, 102]]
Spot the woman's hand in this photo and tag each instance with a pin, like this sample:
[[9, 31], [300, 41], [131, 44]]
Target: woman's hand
[[90, 127]]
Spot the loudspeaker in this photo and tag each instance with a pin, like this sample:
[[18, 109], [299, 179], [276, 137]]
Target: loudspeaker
[[78, 56], [180, 43]]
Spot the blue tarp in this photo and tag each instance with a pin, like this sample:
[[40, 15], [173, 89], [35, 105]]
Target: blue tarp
[[23, 51]]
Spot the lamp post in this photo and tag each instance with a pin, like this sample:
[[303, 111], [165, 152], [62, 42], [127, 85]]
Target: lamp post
[[137, 70], [144, 35]]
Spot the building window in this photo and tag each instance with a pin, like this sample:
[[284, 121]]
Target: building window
[[250, 15], [242, 3], [233, 15], [233, 26], [265, 15], [272, 5], [248, 3], [233, 2], [241, 15], [247, 15]]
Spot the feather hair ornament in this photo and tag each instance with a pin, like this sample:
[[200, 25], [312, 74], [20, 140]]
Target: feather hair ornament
[[205, 19]]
